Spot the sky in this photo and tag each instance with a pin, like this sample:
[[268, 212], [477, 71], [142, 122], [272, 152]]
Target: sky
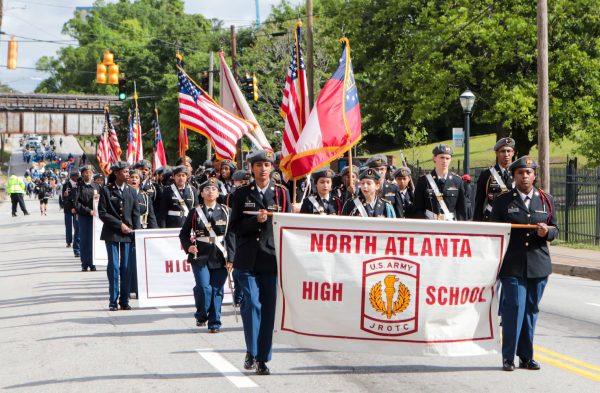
[[44, 19]]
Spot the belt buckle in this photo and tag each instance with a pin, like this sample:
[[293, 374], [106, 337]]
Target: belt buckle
[[181, 214], [440, 217], [211, 240]]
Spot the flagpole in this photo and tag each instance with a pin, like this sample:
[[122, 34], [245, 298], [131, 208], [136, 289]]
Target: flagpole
[[211, 62]]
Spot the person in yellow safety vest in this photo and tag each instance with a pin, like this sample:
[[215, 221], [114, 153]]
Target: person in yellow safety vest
[[16, 189]]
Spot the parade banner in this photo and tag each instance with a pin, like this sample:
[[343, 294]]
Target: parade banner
[[388, 286], [99, 248], [165, 277]]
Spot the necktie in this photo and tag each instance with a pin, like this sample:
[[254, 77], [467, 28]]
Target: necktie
[[505, 177], [262, 197], [527, 201], [325, 204], [210, 213]]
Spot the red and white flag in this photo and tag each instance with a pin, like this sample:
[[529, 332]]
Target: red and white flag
[[232, 99], [334, 125], [160, 158], [294, 106], [109, 150], [200, 113], [134, 144]]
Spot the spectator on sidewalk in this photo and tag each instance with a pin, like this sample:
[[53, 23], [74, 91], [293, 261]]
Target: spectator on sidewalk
[[15, 188]]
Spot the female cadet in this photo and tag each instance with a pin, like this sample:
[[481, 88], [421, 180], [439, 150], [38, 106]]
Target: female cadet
[[323, 201], [368, 203], [147, 219], [209, 244]]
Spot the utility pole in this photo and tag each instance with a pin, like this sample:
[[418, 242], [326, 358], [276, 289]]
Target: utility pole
[[309, 53], [238, 152], [543, 110], [211, 64]]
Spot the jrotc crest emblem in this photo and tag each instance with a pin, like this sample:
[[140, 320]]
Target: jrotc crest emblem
[[390, 297]]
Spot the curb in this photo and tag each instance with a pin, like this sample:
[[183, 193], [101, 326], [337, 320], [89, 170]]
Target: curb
[[577, 271]]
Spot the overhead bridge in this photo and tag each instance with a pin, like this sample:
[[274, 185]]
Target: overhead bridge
[[53, 114]]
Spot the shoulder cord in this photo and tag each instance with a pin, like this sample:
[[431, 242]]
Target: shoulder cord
[[545, 200]]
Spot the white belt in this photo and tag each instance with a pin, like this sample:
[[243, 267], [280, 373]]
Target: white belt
[[210, 239], [177, 213], [441, 217]]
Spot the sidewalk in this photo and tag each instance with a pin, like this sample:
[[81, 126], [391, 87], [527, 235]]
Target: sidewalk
[[576, 262]]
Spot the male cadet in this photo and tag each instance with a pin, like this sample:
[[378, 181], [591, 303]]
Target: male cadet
[[322, 201], [387, 190], [176, 200], [146, 184], [87, 192], [119, 211], [349, 187], [439, 195], [254, 262], [71, 224], [526, 266], [403, 181], [494, 181], [240, 178]]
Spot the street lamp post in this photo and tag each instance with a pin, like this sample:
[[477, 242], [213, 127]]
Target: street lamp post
[[467, 99]]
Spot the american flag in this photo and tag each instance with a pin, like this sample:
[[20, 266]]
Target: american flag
[[160, 158], [109, 150], [200, 113], [134, 141], [294, 106]]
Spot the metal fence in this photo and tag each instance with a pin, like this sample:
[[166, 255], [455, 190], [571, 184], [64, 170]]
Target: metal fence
[[576, 194]]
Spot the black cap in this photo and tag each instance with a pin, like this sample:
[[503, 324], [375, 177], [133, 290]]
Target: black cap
[[230, 164], [119, 166], [142, 164], [181, 160], [328, 173], [261, 155], [179, 169], [347, 169], [74, 172], [504, 142], [523, 162], [240, 175], [211, 181], [376, 161], [443, 149], [370, 173], [208, 164], [402, 171], [87, 168]]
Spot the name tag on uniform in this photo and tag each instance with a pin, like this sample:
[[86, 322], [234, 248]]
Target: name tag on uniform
[[540, 211], [272, 207], [220, 222], [250, 204], [513, 209], [451, 188]]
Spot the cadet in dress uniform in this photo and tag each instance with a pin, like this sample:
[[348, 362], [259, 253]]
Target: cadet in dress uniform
[[349, 187], [99, 179], [526, 266], [146, 184], [240, 178], [495, 180], [209, 244], [176, 200], [405, 191], [387, 190], [322, 201], [226, 171], [68, 198], [439, 195], [255, 266], [369, 203], [87, 192], [119, 211]]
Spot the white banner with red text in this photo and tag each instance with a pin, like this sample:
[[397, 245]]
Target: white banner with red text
[[164, 275], [390, 286]]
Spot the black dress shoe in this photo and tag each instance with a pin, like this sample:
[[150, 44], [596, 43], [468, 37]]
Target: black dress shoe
[[529, 364], [14, 214], [26, 214], [262, 369], [200, 323], [249, 363], [93, 269], [126, 307], [508, 365], [84, 269], [214, 330], [68, 245], [112, 308]]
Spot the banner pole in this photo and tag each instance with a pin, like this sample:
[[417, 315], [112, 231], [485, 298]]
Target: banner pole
[[294, 191]]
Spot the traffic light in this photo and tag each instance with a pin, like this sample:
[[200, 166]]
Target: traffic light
[[247, 85], [113, 74], [204, 81], [101, 75], [122, 89], [108, 58], [12, 54]]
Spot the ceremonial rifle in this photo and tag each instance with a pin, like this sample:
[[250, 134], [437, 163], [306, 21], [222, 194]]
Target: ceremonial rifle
[[404, 163]]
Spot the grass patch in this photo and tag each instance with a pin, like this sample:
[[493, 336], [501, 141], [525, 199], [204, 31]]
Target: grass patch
[[579, 246], [482, 152]]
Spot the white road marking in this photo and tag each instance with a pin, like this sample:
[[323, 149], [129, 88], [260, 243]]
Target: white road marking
[[593, 304], [165, 309], [226, 368]]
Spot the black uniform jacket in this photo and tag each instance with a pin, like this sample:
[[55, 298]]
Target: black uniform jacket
[[454, 196], [151, 189], [170, 203], [255, 245], [527, 255], [116, 208], [208, 253], [390, 192], [333, 207], [408, 202], [147, 216], [487, 190], [69, 196], [381, 209], [85, 198]]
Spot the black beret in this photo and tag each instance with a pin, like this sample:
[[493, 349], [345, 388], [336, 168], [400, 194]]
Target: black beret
[[98, 176], [376, 161], [119, 166], [142, 164], [179, 169], [523, 162], [328, 173], [443, 149], [241, 174], [347, 169], [261, 155], [504, 142], [230, 164], [134, 172], [370, 173], [74, 172], [87, 168], [211, 181], [208, 164], [181, 160], [402, 171], [276, 177]]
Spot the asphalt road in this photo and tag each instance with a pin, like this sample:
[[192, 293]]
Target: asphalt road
[[58, 336]]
